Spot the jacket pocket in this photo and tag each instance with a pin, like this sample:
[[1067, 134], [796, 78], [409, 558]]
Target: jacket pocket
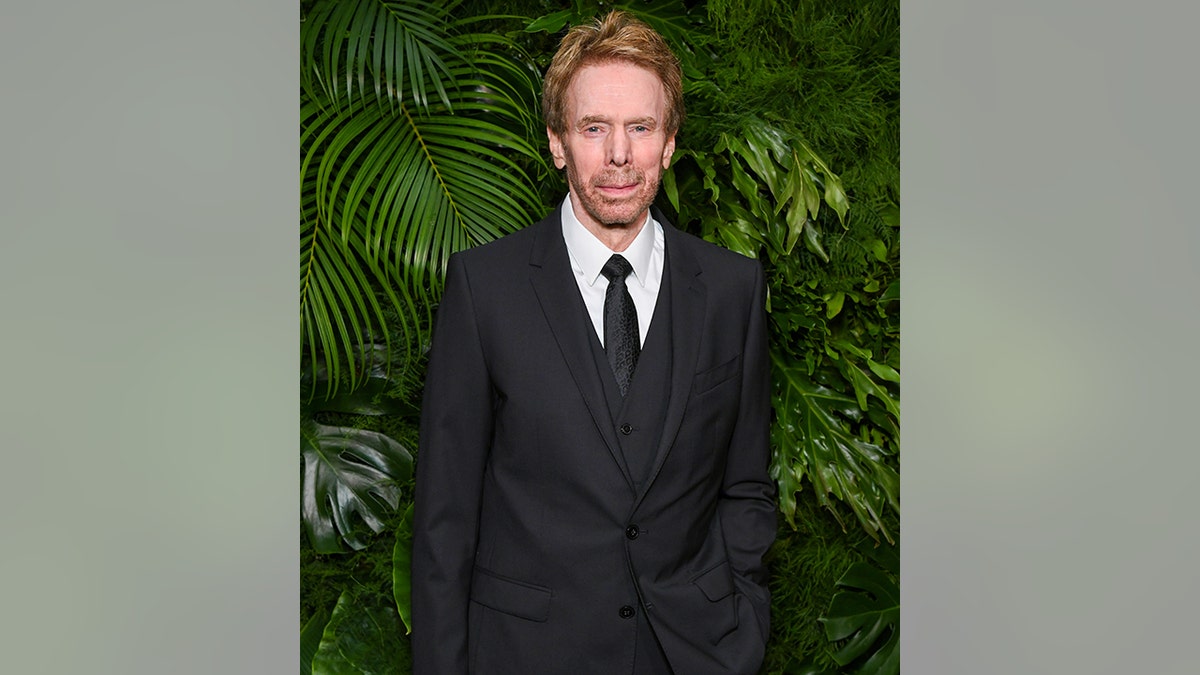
[[709, 379], [716, 583], [717, 586], [520, 599]]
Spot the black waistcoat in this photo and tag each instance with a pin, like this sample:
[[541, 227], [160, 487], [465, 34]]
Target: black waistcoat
[[638, 417]]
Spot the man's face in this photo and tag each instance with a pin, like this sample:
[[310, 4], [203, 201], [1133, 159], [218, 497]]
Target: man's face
[[614, 147]]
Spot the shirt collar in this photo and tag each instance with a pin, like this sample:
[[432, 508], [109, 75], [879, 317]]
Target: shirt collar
[[590, 254]]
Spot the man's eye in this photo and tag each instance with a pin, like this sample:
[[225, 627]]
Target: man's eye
[[592, 130], [640, 129]]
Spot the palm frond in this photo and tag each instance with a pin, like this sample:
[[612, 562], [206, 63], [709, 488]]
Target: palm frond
[[392, 187], [340, 311], [418, 188], [354, 49]]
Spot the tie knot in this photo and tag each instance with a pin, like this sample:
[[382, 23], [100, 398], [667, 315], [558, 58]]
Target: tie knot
[[617, 267]]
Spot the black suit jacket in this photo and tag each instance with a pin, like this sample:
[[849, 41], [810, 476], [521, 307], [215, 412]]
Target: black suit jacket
[[525, 557]]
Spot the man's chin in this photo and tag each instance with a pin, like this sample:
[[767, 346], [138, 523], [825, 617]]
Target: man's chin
[[619, 215], [620, 219]]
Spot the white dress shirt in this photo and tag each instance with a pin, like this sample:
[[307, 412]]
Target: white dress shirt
[[588, 255]]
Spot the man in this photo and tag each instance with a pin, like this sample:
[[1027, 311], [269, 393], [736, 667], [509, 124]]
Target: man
[[592, 489]]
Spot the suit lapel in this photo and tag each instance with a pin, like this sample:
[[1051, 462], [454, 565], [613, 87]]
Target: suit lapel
[[688, 304], [557, 292]]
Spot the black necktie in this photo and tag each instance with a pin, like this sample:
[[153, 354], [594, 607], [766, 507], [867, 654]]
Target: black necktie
[[621, 342]]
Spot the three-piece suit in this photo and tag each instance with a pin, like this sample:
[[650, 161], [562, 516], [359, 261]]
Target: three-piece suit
[[561, 527]]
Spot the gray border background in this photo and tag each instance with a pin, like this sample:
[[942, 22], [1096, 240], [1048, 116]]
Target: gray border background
[[148, 486], [1050, 317], [148, 206]]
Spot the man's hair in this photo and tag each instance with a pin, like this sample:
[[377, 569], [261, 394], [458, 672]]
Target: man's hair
[[618, 37]]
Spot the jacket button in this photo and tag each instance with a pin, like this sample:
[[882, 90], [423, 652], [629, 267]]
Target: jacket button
[[632, 532], [626, 612], [626, 429]]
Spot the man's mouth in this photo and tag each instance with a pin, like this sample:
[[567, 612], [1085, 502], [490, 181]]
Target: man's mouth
[[617, 188]]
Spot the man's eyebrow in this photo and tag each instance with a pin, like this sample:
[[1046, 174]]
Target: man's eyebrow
[[593, 119]]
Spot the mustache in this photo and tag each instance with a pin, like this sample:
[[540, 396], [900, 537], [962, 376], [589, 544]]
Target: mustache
[[610, 178]]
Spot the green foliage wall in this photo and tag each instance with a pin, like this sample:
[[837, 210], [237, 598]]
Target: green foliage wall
[[793, 116]]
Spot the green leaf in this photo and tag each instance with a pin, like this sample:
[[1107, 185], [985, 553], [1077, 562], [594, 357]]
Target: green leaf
[[812, 201], [310, 639], [339, 310], [371, 396], [842, 345], [812, 438], [864, 386], [335, 461], [890, 215], [753, 148], [866, 616], [389, 193], [707, 166], [394, 182], [892, 292], [673, 20], [768, 137], [745, 184], [884, 371], [669, 187], [879, 250], [402, 569], [350, 475], [737, 232], [383, 49], [835, 197], [812, 240], [361, 638], [551, 23], [833, 305], [797, 214]]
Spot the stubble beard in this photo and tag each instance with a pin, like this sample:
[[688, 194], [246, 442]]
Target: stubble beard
[[615, 213]]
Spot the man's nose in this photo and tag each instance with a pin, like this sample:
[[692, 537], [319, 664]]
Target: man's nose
[[618, 148]]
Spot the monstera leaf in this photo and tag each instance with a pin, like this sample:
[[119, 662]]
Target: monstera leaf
[[866, 614], [361, 638], [351, 476], [811, 436], [347, 473]]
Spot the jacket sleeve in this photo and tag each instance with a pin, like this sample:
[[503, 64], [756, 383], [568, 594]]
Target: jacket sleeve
[[455, 437], [746, 505]]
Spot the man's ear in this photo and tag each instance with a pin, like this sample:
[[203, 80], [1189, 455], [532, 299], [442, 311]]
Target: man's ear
[[668, 151], [556, 148]]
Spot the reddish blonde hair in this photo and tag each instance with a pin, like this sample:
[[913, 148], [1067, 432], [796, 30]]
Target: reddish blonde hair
[[616, 37]]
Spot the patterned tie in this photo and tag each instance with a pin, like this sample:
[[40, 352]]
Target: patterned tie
[[621, 342]]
